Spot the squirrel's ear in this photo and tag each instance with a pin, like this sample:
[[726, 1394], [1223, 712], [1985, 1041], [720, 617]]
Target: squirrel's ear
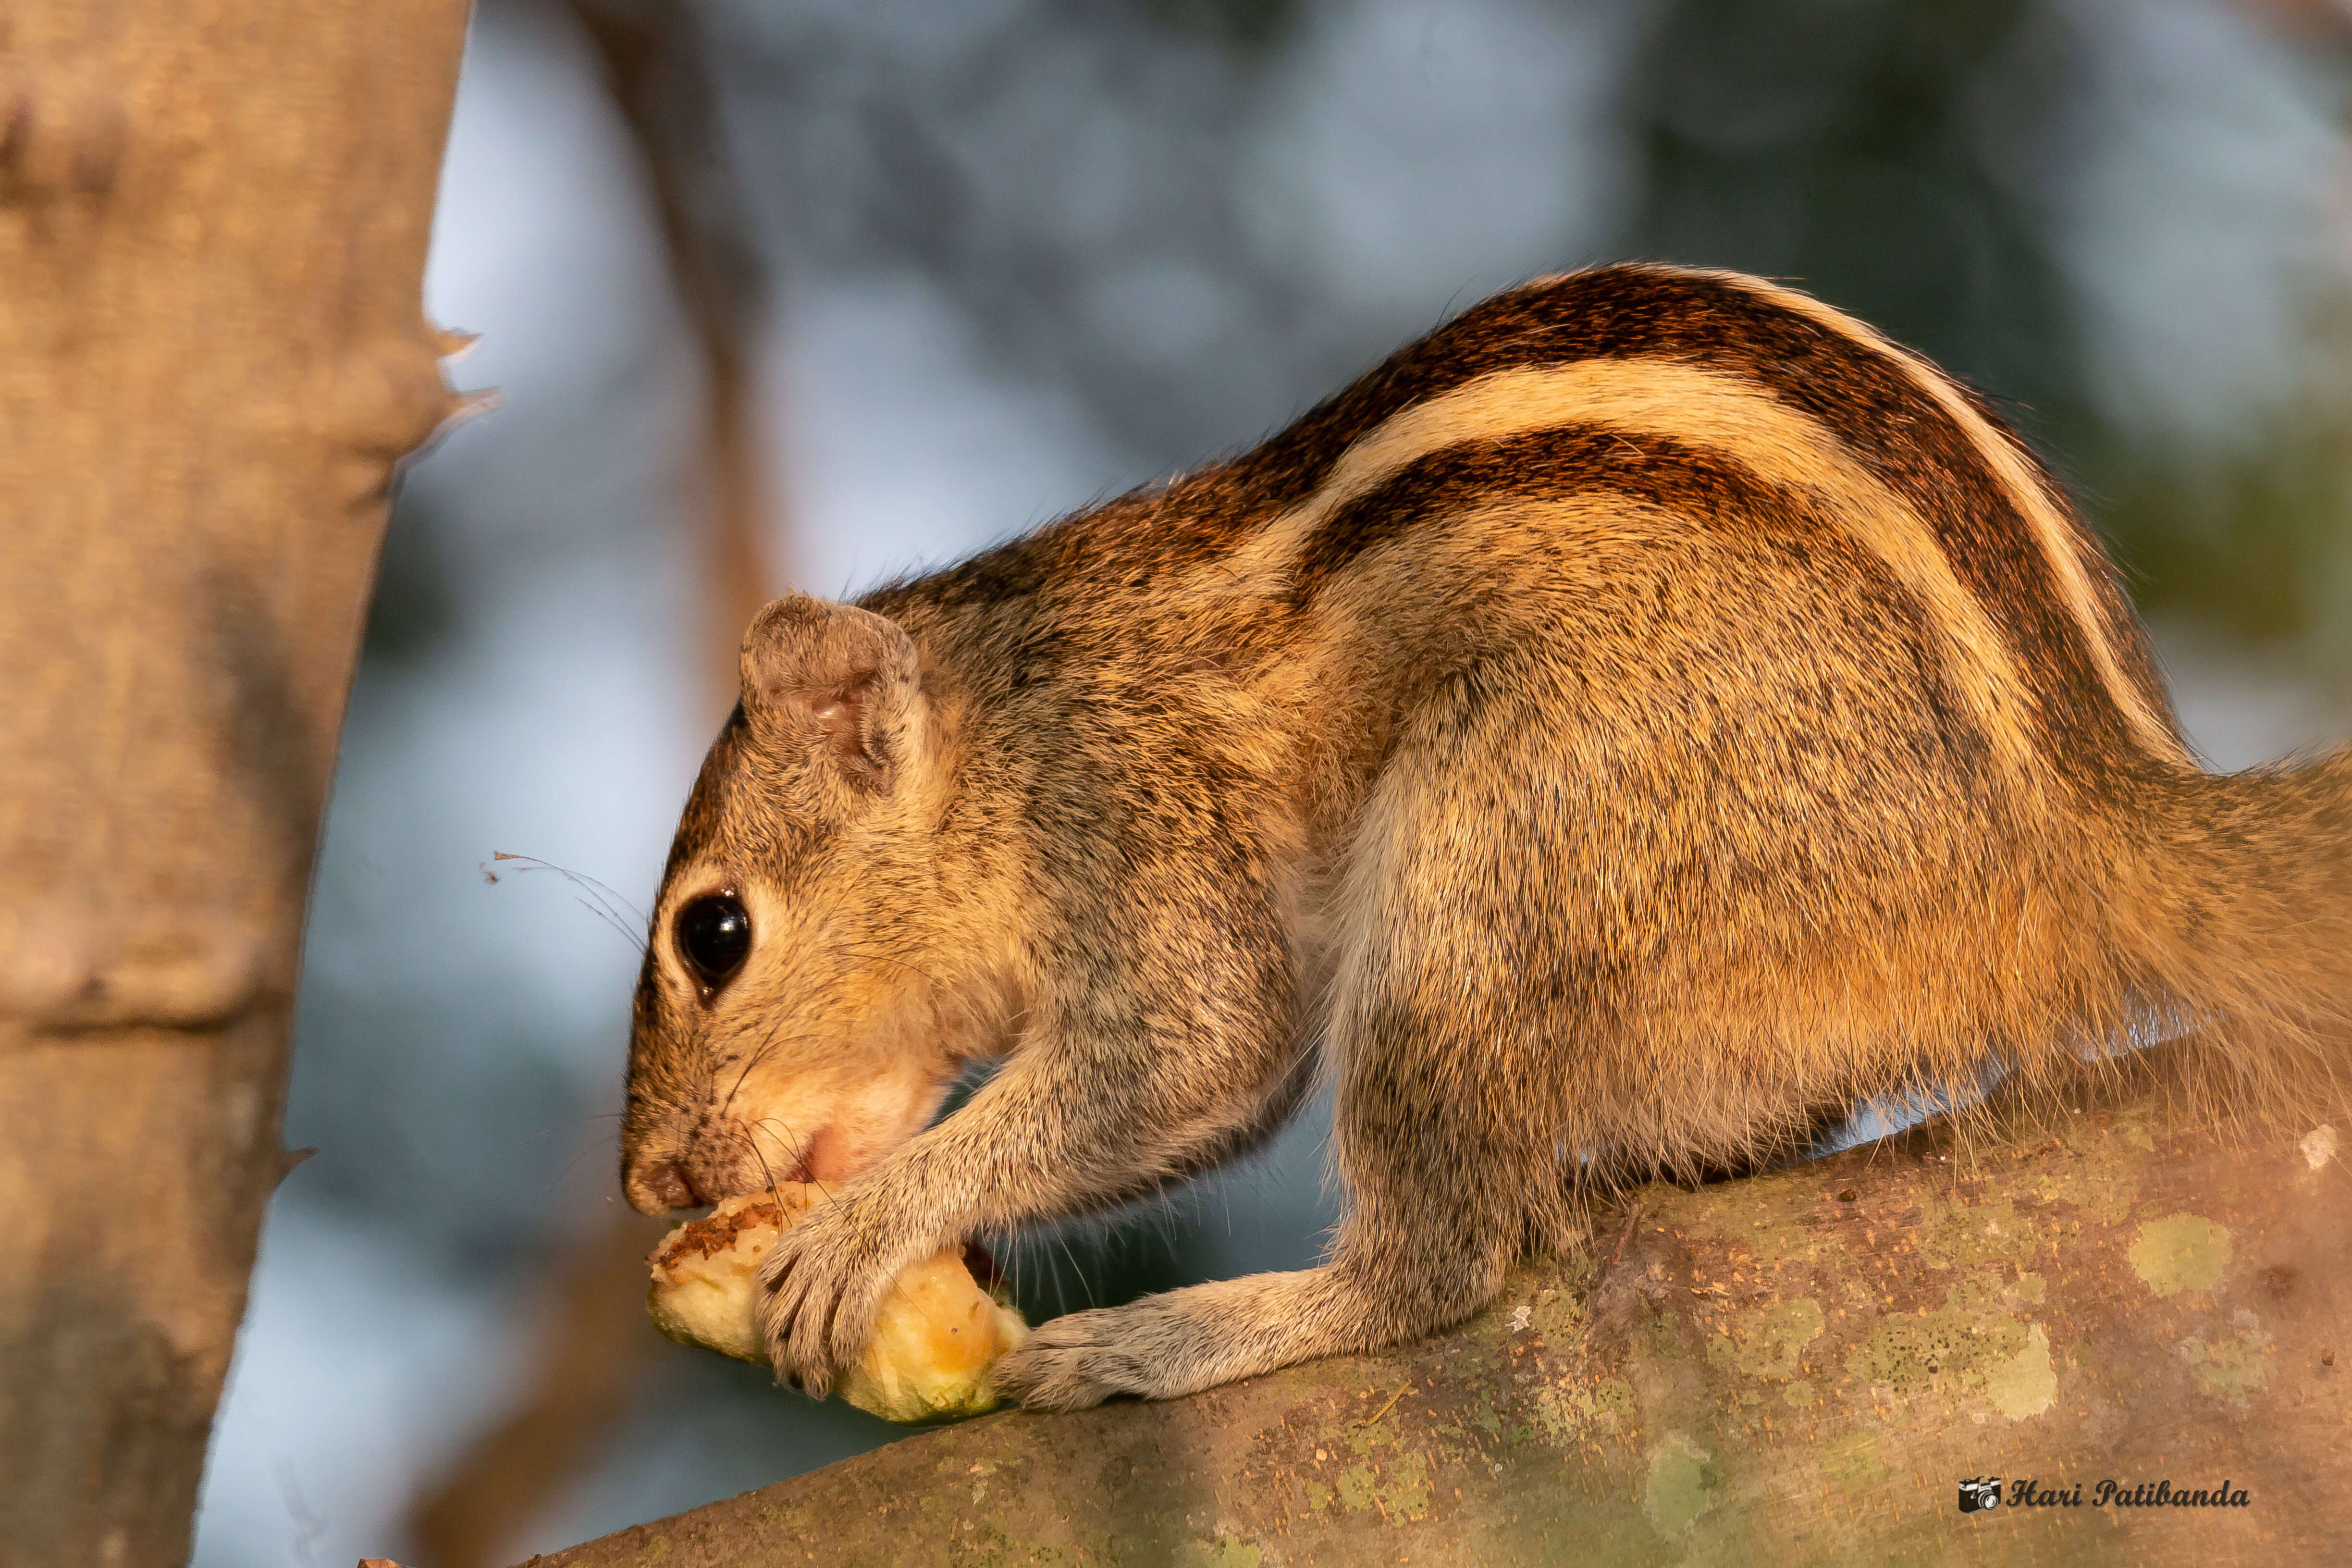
[[834, 678]]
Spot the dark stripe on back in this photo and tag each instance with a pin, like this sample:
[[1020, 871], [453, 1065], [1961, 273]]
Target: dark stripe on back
[[2127, 635], [1710, 489], [1860, 395], [1865, 399]]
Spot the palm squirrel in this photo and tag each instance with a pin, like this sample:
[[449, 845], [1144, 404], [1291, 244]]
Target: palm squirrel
[[1626, 729]]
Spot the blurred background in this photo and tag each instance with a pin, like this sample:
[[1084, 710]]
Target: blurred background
[[794, 293]]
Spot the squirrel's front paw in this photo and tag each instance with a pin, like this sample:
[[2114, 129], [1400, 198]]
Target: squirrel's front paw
[[820, 1287]]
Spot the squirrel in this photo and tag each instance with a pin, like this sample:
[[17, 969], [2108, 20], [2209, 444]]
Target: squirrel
[[1622, 731]]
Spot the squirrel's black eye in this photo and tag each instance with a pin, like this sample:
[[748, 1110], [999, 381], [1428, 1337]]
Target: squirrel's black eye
[[713, 935]]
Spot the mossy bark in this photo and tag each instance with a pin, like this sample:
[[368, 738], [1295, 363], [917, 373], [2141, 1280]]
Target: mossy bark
[[1798, 1368]]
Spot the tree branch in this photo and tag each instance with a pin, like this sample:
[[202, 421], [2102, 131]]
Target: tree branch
[[656, 65], [1799, 1367]]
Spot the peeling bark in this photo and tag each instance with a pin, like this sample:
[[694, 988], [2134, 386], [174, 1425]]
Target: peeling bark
[[1799, 1367], [213, 226]]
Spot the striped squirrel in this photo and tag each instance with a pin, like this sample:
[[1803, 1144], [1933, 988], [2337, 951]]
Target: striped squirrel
[[1622, 731]]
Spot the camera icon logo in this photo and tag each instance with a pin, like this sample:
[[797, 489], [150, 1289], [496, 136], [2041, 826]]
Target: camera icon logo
[[1978, 1493]]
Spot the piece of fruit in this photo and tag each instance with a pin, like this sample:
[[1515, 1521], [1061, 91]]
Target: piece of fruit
[[935, 1340]]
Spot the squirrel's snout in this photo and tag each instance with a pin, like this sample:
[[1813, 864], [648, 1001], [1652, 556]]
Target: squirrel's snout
[[660, 1186]]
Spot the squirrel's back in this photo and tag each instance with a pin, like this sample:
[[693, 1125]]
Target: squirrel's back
[[1676, 386], [1768, 684]]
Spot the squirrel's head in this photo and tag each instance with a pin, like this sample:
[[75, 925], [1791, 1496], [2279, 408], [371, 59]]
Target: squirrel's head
[[809, 990]]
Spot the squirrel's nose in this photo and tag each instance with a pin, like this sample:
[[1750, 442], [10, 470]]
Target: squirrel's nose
[[660, 1187]]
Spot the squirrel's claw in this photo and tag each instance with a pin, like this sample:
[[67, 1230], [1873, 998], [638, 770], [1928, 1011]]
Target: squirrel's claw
[[820, 1290]]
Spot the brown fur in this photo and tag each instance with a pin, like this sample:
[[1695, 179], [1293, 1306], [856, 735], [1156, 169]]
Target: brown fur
[[1643, 718]]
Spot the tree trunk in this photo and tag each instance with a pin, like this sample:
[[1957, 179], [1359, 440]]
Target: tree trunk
[[213, 228], [1798, 1368]]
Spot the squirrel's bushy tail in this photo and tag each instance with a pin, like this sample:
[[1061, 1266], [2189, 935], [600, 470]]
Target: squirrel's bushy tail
[[2240, 932]]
